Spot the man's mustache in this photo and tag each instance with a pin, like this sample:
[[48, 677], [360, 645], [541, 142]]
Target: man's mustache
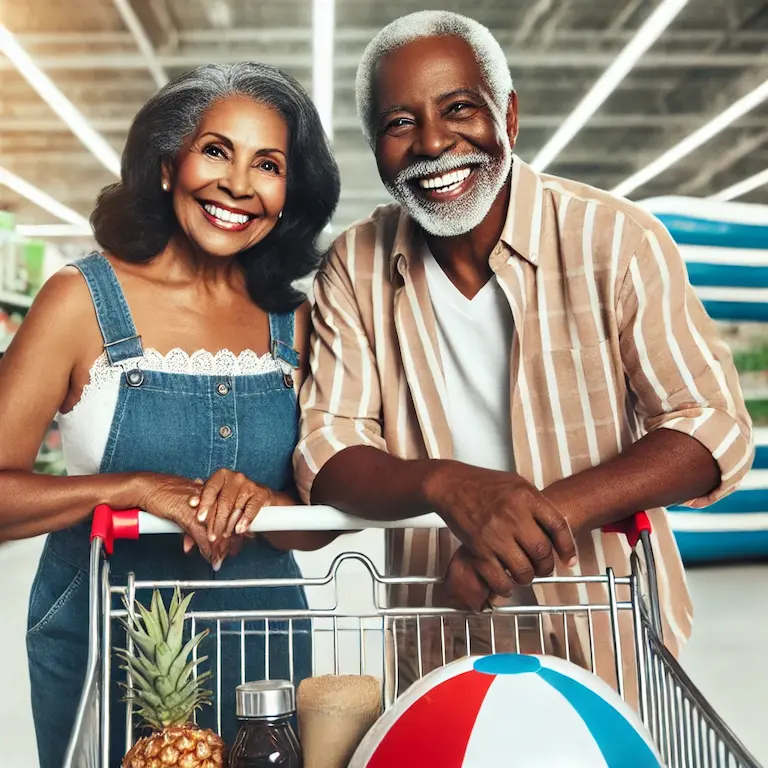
[[441, 165]]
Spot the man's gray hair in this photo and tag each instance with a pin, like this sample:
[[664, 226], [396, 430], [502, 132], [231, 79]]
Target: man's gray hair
[[406, 29]]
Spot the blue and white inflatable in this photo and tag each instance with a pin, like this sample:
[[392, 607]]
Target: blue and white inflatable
[[725, 247]]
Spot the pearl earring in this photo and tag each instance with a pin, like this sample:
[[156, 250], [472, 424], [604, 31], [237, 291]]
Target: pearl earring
[[280, 215], [165, 186]]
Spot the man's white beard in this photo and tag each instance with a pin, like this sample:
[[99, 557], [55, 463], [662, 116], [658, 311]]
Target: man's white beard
[[462, 215]]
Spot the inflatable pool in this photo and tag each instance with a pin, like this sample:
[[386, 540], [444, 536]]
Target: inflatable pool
[[725, 246]]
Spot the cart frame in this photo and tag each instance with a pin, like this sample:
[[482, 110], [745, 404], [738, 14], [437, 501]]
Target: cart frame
[[685, 728]]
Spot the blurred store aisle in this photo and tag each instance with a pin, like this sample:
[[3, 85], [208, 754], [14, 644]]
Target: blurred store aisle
[[726, 658]]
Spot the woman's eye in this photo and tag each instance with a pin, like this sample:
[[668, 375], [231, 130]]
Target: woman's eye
[[213, 151], [270, 167]]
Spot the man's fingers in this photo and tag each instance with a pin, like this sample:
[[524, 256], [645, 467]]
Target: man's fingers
[[538, 548], [465, 590], [517, 564], [558, 530], [188, 544]]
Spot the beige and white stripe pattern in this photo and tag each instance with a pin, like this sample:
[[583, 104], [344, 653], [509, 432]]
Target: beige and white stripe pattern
[[611, 342]]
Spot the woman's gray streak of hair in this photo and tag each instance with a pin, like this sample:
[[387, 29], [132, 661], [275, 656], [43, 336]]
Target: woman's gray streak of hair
[[415, 26], [180, 106]]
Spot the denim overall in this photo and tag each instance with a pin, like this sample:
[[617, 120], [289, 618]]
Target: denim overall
[[186, 425]]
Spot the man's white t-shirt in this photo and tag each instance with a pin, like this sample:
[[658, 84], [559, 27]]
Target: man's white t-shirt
[[475, 339]]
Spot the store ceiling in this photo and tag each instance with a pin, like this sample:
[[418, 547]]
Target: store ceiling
[[714, 52]]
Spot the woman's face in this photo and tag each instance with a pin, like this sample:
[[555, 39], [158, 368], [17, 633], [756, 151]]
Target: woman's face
[[229, 181]]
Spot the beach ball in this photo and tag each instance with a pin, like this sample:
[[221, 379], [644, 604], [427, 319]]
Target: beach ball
[[521, 711]]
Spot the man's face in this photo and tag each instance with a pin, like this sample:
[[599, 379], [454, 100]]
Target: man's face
[[442, 146]]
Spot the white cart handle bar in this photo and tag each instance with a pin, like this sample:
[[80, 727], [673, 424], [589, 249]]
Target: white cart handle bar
[[110, 525]]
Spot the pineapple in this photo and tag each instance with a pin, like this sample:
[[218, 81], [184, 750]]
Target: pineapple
[[165, 691]]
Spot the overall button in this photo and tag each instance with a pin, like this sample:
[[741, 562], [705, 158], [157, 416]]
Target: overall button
[[225, 432], [222, 389]]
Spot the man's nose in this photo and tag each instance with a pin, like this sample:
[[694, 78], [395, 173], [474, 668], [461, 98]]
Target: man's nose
[[433, 139]]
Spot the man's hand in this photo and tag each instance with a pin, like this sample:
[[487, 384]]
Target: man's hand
[[465, 590], [508, 527]]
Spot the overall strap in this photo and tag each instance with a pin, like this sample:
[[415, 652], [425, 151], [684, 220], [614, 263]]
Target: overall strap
[[121, 342], [281, 331]]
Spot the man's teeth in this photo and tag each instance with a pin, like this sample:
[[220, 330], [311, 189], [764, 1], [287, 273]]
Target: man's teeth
[[223, 215], [446, 182]]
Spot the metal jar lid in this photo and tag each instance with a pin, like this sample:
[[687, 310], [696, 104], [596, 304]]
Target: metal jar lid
[[265, 698]]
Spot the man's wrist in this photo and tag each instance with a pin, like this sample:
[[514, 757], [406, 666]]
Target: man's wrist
[[432, 482]]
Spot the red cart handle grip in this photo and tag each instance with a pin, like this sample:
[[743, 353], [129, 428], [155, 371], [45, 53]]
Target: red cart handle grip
[[112, 524], [632, 527]]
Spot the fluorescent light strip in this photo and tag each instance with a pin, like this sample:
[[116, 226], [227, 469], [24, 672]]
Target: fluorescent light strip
[[132, 21], [59, 103], [607, 83], [716, 125], [742, 187], [43, 199], [53, 230], [323, 28]]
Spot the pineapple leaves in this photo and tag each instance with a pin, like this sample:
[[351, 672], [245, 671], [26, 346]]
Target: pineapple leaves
[[160, 615], [164, 685]]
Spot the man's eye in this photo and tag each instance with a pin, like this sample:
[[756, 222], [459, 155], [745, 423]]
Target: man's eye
[[398, 125]]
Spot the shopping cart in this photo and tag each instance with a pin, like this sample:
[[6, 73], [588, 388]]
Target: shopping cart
[[685, 728]]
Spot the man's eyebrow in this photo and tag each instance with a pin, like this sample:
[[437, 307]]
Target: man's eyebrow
[[475, 94]]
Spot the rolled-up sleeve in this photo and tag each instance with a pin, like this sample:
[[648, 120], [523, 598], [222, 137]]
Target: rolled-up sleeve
[[340, 399], [678, 367]]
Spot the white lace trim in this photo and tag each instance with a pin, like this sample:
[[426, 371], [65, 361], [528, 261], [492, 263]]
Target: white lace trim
[[201, 363]]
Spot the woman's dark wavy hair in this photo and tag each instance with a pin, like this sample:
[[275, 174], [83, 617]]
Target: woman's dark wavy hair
[[134, 219]]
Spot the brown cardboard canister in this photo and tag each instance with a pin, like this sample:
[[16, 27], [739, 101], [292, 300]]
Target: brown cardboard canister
[[335, 712]]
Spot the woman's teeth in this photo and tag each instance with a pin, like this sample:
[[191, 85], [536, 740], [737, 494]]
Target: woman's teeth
[[224, 215], [447, 182]]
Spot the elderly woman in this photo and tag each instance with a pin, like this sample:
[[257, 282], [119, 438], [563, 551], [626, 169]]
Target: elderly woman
[[171, 361]]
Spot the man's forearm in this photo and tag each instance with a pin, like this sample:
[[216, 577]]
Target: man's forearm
[[375, 485], [664, 467]]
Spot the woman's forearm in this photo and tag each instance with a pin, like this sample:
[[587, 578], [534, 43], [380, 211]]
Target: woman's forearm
[[32, 504]]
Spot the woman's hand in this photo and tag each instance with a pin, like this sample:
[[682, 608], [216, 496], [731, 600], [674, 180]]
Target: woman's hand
[[229, 502], [176, 499]]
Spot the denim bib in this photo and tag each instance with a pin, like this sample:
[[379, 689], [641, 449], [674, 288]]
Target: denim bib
[[179, 424]]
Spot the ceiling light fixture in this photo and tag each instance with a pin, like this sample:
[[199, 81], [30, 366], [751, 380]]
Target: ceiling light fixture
[[59, 103], [323, 28], [43, 199], [607, 83], [743, 186], [716, 125]]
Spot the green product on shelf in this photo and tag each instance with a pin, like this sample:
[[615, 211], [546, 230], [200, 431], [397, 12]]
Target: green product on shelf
[[33, 257], [7, 247]]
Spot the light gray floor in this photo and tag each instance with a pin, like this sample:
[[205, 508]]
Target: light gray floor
[[726, 657]]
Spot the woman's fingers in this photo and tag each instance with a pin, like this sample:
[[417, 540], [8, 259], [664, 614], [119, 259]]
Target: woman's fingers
[[209, 494], [252, 508]]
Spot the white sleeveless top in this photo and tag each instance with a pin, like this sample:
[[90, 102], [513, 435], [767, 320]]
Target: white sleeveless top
[[85, 429], [475, 340]]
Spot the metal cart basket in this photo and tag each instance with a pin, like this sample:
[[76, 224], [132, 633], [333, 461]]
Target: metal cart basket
[[685, 728]]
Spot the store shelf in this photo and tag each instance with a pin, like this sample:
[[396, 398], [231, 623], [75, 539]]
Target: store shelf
[[16, 299]]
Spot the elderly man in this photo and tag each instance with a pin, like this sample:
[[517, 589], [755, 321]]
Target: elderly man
[[521, 353]]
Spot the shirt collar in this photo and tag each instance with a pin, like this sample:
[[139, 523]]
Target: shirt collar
[[516, 233]]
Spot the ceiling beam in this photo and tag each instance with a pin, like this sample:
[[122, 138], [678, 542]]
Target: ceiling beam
[[362, 35], [721, 162], [743, 187], [653, 27], [520, 59], [144, 44], [349, 122]]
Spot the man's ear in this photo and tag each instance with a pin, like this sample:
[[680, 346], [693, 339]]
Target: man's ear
[[512, 119]]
